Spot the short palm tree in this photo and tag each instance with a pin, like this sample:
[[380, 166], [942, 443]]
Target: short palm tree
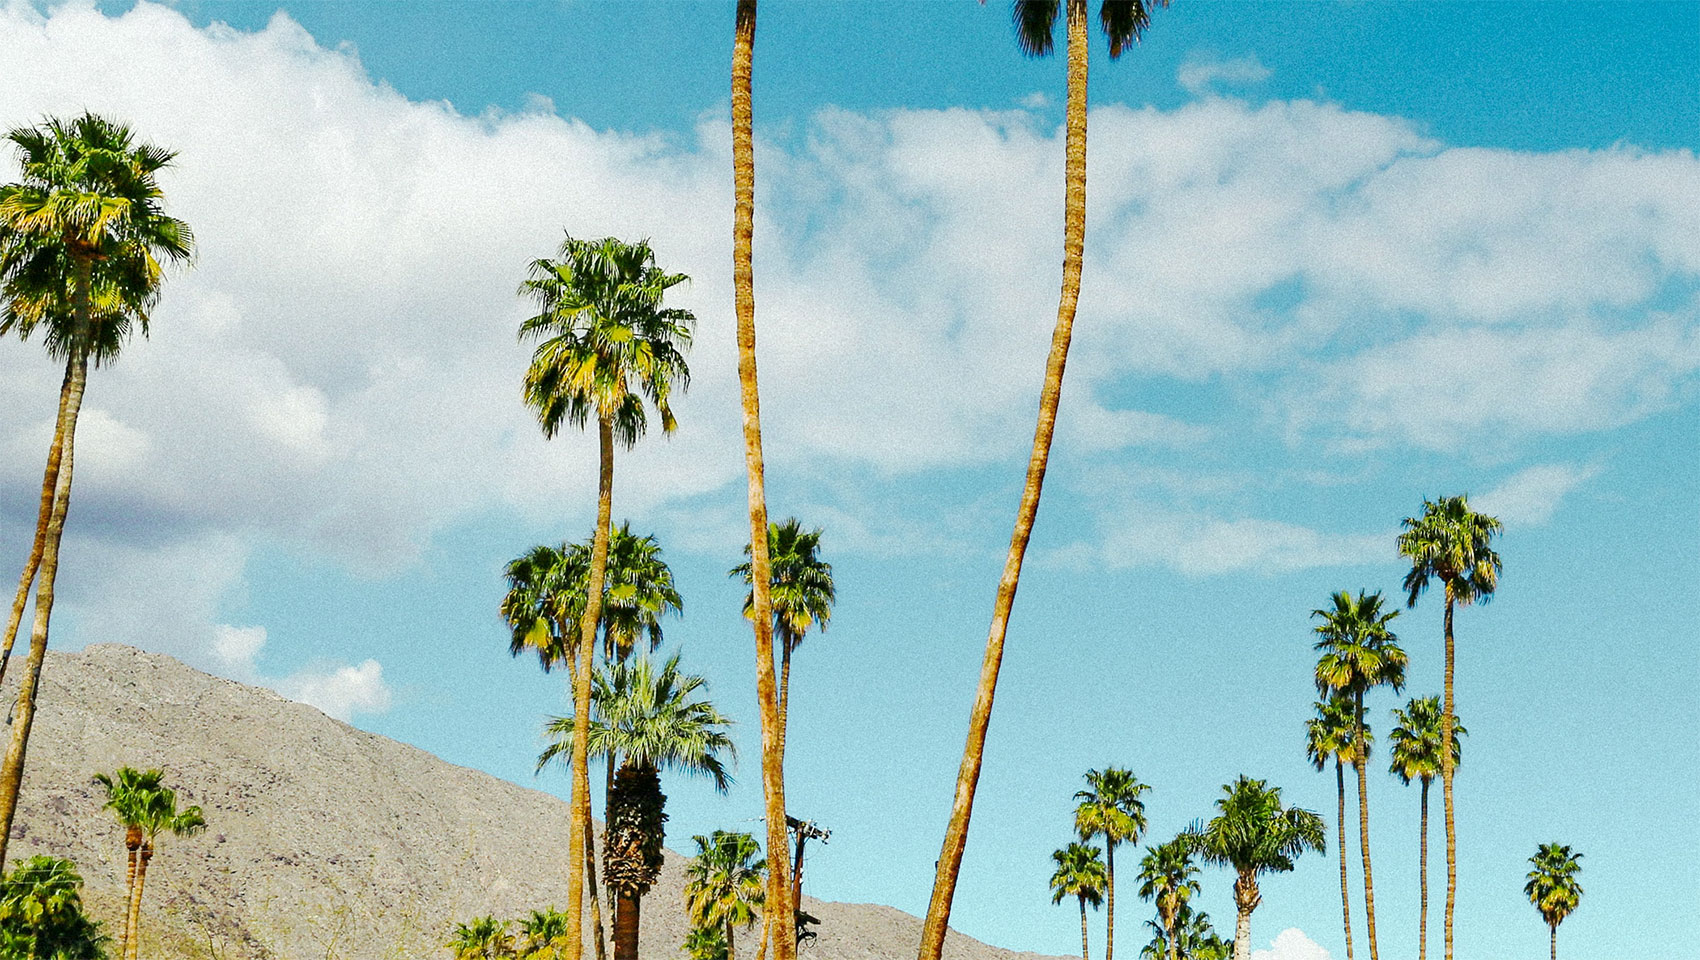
[[542, 935], [1166, 877], [705, 943], [1111, 808], [724, 884], [159, 816], [41, 914], [1189, 936], [482, 938], [605, 345], [1331, 735], [650, 718], [1416, 745], [1035, 23], [801, 592], [1453, 544], [1254, 834], [1553, 887], [1079, 874], [128, 793], [1359, 653], [83, 234]]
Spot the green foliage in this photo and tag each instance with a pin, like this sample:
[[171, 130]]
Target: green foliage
[[1122, 22], [1196, 939], [1328, 735], [706, 943], [800, 581], [1417, 737], [1359, 651], [482, 938], [542, 935], [1553, 887], [41, 914], [1111, 807], [129, 792], [724, 882], [1453, 544], [1253, 833], [1080, 874], [1166, 876]]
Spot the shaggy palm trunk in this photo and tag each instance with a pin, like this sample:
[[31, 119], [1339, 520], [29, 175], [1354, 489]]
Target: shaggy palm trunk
[[135, 919], [132, 848], [1110, 906], [761, 570], [1171, 933], [579, 832], [23, 713], [1446, 780], [1085, 954], [1246, 899], [1359, 750], [1345, 889], [1074, 240], [49, 481], [1422, 879]]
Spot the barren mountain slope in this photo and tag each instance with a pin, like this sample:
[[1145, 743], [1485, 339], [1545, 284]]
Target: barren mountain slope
[[325, 842]]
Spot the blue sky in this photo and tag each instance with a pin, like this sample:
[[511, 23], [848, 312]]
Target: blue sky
[[1340, 258]]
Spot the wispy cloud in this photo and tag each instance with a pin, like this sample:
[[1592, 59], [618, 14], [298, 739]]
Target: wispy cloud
[[1531, 496], [1199, 75]]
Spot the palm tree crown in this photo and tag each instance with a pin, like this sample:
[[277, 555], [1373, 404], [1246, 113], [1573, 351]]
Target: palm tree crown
[[482, 938], [801, 582], [1416, 740], [1552, 886], [1358, 650], [1453, 544], [1253, 833], [724, 881], [1329, 734], [547, 587], [1122, 21], [1079, 873], [1111, 807]]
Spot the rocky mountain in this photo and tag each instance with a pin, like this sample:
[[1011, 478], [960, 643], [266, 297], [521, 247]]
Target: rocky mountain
[[326, 842]]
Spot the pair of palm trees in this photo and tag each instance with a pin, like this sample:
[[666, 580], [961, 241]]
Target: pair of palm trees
[[83, 240], [541, 936], [147, 809]]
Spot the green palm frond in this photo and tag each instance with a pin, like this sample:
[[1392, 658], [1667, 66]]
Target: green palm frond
[[1416, 740], [1451, 543], [725, 882], [801, 583], [1253, 833], [1111, 807], [1080, 874], [1553, 887]]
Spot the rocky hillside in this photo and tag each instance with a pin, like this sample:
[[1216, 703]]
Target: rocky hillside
[[326, 842]]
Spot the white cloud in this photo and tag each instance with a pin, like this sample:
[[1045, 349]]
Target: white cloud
[[1292, 944], [1199, 76], [341, 691], [1531, 496], [1199, 544], [238, 647]]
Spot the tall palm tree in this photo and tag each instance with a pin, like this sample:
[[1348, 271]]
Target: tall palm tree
[[1332, 735], [159, 815], [1553, 887], [1254, 834], [542, 935], [801, 592], [651, 719], [779, 881], [1122, 21], [606, 343], [724, 884], [1166, 876], [1359, 653], [482, 938], [1416, 741], [1080, 874], [83, 234], [41, 914], [128, 792], [1453, 544], [1189, 937], [1111, 808]]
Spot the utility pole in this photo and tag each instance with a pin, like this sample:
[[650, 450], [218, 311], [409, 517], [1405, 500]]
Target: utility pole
[[805, 830]]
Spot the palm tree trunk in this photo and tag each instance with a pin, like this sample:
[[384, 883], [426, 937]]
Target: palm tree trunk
[[131, 849], [1242, 935], [1169, 931], [1359, 749], [785, 648], [135, 919], [626, 928], [1422, 880], [595, 904], [607, 792], [731, 947], [1074, 239], [1345, 890], [1246, 899], [1085, 954], [578, 833], [743, 276], [1554, 941], [1446, 780], [49, 481], [23, 714], [1110, 907]]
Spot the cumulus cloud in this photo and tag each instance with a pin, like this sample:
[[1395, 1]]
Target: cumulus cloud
[[1531, 496], [1292, 944], [342, 691]]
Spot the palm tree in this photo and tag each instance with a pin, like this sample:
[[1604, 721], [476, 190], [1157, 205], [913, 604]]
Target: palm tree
[[1253, 833], [779, 885], [1079, 874], [606, 344], [801, 592], [1359, 653], [159, 815], [1453, 544], [1166, 876], [82, 237], [128, 792], [482, 938], [1552, 885], [1332, 735], [1110, 808], [1189, 937], [1416, 740], [1122, 21], [723, 884], [705, 943], [649, 718], [41, 914]]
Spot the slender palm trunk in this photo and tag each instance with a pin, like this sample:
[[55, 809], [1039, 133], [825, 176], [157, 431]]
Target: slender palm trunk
[[1085, 954], [1422, 879], [577, 835], [1345, 890], [49, 481], [595, 904], [135, 919], [1110, 906], [1359, 750], [731, 947], [761, 570], [1171, 933], [1446, 722], [1074, 241], [23, 714], [1554, 941], [785, 648], [132, 847]]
